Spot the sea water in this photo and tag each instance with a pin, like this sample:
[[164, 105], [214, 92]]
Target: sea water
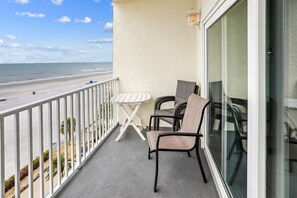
[[11, 73]]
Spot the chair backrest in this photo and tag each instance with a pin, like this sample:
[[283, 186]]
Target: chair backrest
[[216, 92], [183, 91], [194, 114]]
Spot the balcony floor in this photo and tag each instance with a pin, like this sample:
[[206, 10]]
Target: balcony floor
[[121, 169]]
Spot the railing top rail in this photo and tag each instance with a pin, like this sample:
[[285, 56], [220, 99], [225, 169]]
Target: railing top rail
[[12, 111]]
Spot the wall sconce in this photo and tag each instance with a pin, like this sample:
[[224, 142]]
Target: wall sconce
[[193, 17]]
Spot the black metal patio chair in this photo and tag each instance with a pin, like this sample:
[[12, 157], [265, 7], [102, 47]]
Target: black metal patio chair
[[240, 140], [186, 139], [183, 90]]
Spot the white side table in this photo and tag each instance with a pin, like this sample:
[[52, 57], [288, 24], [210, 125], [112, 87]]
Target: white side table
[[130, 103]]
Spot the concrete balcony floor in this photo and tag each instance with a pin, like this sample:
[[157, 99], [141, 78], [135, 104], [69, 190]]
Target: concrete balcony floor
[[121, 169]]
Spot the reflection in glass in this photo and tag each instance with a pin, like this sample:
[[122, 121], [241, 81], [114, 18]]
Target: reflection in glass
[[281, 93], [227, 85]]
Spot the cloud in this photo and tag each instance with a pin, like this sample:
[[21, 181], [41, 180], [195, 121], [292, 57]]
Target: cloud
[[85, 20], [30, 15], [108, 26], [97, 46], [30, 47], [111, 4], [13, 45], [57, 2], [1, 42], [64, 19], [104, 40], [11, 37], [22, 1], [97, 1]]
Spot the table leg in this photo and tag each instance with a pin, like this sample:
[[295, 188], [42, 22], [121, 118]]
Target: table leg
[[137, 129], [130, 119]]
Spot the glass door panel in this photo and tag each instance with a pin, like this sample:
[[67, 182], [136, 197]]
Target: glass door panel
[[227, 83], [281, 90]]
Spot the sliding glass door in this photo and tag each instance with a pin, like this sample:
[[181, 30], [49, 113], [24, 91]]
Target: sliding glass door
[[227, 88], [281, 91]]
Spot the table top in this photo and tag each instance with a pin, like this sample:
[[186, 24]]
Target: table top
[[131, 98]]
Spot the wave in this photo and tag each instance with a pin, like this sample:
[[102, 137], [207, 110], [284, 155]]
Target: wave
[[92, 70]]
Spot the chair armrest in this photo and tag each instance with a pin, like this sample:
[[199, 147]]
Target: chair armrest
[[240, 101], [179, 107], [162, 116], [188, 134], [172, 133], [160, 100]]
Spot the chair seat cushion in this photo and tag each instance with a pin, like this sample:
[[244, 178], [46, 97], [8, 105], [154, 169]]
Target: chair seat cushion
[[168, 112], [170, 142]]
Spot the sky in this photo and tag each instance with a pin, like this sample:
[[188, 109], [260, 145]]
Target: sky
[[51, 31]]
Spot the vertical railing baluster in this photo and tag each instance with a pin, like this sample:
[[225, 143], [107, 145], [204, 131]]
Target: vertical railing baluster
[[50, 146], [71, 132], [105, 109], [100, 112], [88, 119], [58, 141], [111, 106], [78, 130], [92, 118], [65, 137], [83, 106], [96, 113], [108, 105], [17, 154], [2, 159], [30, 154], [41, 157]]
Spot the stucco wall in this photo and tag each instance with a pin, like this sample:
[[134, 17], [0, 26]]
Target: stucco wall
[[153, 47]]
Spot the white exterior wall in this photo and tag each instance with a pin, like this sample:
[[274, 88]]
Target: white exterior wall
[[153, 47]]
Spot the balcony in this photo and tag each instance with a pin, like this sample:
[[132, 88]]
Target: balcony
[[33, 161], [121, 169]]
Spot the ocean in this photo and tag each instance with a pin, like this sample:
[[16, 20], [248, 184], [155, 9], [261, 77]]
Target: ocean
[[12, 73]]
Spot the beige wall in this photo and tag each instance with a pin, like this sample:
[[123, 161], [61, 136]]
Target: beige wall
[[153, 47]]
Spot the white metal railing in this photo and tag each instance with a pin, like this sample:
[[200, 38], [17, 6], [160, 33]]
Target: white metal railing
[[75, 122]]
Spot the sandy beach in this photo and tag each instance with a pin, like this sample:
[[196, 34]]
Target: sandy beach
[[19, 94]]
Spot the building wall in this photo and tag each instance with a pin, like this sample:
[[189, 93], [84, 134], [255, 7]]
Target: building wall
[[153, 47]]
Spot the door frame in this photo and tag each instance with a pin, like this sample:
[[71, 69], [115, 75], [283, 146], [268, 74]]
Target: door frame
[[256, 158]]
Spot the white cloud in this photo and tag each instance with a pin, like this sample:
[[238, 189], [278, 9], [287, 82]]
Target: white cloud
[[31, 15], [22, 1], [104, 40], [108, 26], [97, 46], [97, 1], [1, 42], [13, 45], [57, 2], [111, 4], [64, 19], [85, 20], [11, 37]]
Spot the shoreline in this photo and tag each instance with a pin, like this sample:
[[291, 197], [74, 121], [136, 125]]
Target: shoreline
[[39, 80]]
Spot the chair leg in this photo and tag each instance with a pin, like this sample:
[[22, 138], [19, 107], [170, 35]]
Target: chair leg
[[235, 169], [189, 154], [232, 148], [149, 153], [156, 172], [200, 164]]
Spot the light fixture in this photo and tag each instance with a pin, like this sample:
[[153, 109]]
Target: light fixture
[[193, 17]]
